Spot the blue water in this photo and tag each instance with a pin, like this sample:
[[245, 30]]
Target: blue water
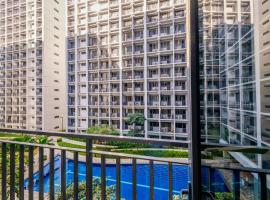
[[180, 178]]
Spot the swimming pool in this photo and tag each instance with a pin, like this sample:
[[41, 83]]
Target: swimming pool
[[180, 178]]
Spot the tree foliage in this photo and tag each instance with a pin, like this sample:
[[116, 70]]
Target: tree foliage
[[136, 119], [110, 191], [103, 130]]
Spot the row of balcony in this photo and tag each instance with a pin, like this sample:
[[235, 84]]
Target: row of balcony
[[131, 103], [165, 45], [164, 128], [178, 43], [113, 4], [128, 89], [117, 115], [125, 78], [114, 14]]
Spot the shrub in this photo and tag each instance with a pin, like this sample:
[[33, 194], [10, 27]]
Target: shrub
[[103, 130], [223, 196], [110, 191], [25, 138], [43, 140]]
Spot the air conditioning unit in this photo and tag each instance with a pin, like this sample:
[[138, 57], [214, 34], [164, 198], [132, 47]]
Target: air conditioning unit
[[164, 88], [164, 103], [156, 129], [179, 103], [164, 116], [164, 129], [156, 116], [165, 75], [164, 49], [155, 103], [179, 116]]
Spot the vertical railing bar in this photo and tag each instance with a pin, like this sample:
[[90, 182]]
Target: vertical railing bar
[[263, 186], [4, 171], [21, 173], [103, 178], [75, 175], [134, 179], [63, 174], [151, 167], [89, 174], [30, 173], [170, 181], [236, 185], [51, 174], [41, 173], [118, 179], [210, 180], [12, 171]]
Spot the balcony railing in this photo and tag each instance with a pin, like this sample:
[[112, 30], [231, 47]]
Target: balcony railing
[[10, 149], [36, 162]]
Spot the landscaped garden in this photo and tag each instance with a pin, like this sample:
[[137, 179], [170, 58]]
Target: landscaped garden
[[122, 147]]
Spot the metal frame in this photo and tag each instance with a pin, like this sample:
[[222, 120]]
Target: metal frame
[[195, 137], [262, 173]]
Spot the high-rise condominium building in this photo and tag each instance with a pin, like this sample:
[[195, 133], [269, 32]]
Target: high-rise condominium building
[[32, 63], [128, 56]]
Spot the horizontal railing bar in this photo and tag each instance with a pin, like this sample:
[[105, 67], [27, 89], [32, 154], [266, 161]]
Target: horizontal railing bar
[[122, 155], [175, 143], [40, 145], [139, 157], [237, 148], [238, 168], [179, 143]]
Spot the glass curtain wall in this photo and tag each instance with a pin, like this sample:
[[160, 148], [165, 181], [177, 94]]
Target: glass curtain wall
[[235, 81]]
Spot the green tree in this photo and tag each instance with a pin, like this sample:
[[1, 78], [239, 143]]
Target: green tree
[[136, 119]]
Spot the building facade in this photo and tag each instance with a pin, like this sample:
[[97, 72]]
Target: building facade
[[32, 64], [128, 56]]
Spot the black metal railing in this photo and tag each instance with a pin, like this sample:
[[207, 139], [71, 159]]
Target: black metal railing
[[21, 161], [12, 150]]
